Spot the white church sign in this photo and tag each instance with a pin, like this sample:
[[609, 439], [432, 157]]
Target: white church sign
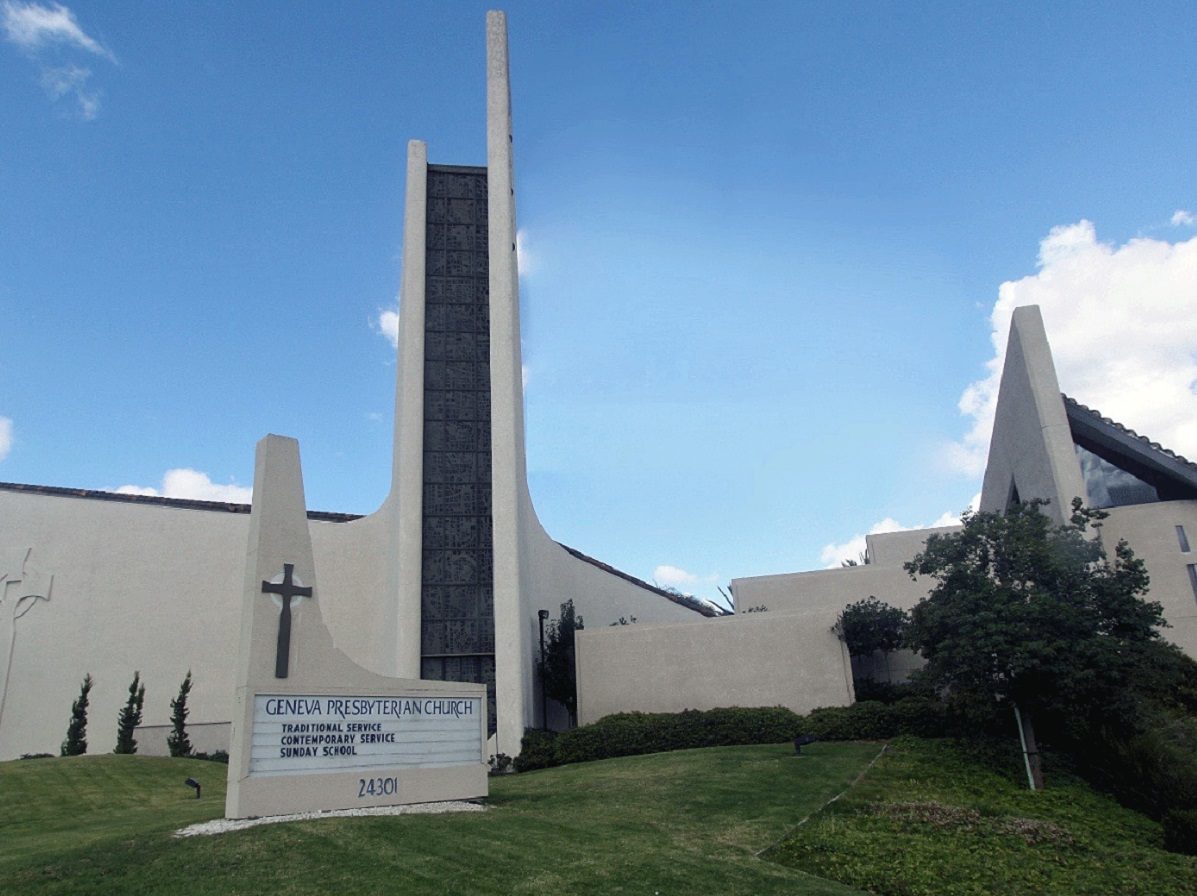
[[305, 733], [312, 730]]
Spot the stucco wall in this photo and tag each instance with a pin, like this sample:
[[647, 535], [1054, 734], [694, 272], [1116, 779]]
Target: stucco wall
[[1150, 530], [153, 588], [135, 587], [790, 660], [828, 591]]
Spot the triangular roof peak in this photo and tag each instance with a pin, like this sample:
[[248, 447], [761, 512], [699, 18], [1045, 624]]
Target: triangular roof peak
[[1031, 451]]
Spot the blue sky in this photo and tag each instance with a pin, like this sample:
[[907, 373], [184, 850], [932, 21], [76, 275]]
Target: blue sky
[[769, 248]]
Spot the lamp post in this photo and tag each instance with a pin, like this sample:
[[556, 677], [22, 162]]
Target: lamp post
[[544, 711]]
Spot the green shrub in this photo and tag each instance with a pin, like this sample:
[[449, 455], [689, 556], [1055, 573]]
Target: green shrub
[[1154, 770], [177, 741], [868, 688], [214, 756], [865, 720], [636, 733], [130, 717], [1180, 831], [923, 717], [536, 750], [75, 743]]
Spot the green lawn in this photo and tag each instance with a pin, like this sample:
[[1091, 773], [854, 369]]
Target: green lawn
[[678, 823], [933, 817], [928, 818]]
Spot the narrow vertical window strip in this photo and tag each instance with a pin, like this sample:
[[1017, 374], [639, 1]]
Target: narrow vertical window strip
[[1183, 539], [1192, 567]]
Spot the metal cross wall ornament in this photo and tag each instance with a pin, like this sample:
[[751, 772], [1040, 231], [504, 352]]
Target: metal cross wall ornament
[[288, 589]]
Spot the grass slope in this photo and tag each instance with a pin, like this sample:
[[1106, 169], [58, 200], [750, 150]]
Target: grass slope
[[933, 817], [675, 823]]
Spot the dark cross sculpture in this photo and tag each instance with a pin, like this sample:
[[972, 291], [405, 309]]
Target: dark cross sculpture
[[288, 590]]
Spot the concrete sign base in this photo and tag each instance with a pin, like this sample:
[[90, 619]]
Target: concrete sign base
[[312, 730]]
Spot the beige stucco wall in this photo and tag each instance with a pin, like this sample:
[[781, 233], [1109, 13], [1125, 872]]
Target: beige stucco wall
[[135, 587], [828, 591], [156, 589], [205, 737], [1150, 530], [790, 660]]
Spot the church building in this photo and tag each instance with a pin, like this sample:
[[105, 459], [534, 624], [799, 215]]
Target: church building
[[448, 578]]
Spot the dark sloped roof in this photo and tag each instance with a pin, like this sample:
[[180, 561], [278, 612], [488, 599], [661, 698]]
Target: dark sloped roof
[[177, 503], [1173, 476]]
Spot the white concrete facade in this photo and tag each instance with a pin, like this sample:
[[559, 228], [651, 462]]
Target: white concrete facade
[[111, 584]]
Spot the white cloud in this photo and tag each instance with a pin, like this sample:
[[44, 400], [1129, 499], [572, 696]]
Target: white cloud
[[525, 259], [5, 437], [1182, 218], [183, 482], [72, 79], [833, 555], [33, 26], [667, 576], [1122, 323], [387, 324], [35, 29], [147, 490], [673, 576]]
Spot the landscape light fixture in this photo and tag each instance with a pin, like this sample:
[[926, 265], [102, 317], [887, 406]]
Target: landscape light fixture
[[801, 741], [191, 782]]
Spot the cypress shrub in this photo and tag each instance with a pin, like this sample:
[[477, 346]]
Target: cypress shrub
[[75, 743]]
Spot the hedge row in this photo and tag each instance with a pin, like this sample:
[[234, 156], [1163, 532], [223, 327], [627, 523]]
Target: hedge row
[[635, 733]]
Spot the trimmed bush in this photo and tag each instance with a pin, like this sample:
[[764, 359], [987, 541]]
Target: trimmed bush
[[636, 733], [865, 720], [536, 750]]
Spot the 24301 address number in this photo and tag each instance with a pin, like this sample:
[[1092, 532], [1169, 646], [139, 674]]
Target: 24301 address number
[[377, 787]]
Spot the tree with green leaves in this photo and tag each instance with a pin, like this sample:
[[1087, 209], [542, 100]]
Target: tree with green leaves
[[177, 741], [870, 625], [130, 717], [557, 673], [76, 739], [1035, 617]]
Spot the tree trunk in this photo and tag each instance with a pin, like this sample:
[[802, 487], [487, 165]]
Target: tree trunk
[[1030, 750]]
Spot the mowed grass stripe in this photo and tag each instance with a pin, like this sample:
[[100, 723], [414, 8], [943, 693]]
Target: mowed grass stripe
[[673, 823]]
